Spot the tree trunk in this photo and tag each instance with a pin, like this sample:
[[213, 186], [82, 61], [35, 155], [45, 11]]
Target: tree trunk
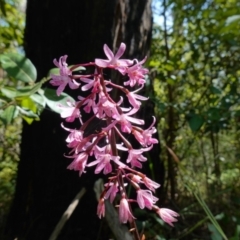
[[44, 187]]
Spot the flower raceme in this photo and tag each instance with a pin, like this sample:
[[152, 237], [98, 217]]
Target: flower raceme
[[117, 124]]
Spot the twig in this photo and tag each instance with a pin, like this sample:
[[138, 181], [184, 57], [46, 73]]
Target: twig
[[67, 214]]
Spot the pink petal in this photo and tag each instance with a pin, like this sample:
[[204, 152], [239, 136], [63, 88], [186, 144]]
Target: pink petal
[[61, 88], [135, 120], [108, 52], [73, 84], [107, 169], [101, 63], [120, 51]]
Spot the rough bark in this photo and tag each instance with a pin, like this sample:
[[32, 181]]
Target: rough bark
[[44, 187]]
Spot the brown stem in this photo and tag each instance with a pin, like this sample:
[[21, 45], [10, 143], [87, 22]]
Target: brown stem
[[170, 135], [204, 161], [214, 142], [112, 140]]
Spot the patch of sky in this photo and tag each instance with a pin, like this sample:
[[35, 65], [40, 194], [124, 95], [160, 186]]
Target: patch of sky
[[158, 14]]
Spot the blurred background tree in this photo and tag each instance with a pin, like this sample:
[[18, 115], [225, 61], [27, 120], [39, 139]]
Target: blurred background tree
[[44, 187], [195, 68]]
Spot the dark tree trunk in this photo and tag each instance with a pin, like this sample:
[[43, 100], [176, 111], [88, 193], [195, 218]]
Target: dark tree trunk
[[44, 187]]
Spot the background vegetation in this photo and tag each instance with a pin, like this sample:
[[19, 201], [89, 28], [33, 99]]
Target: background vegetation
[[194, 66], [11, 40]]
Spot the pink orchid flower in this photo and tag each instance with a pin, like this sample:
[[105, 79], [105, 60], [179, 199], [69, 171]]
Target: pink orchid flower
[[103, 163], [88, 103], [112, 191], [132, 98], [150, 184], [167, 215], [135, 156], [103, 157], [63, 80], [79, 163], [113, 61], [70, 112], [145, 199], [105, 106], [136, 74], [125, 120], [124, 211], [144, 137], [74, 138]]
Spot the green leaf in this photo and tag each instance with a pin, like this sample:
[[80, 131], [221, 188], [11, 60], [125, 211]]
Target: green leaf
[[214, 114], [29, 120], [161, 106], [232, 24], [53, 101], [207, 211], [39, 99], [237, 232], [29, 106], [29, 90], [215, 235], [28, 113], [28, 110], [9, 92], [8, 114], [195, 122], [40, 102], [232, 19], [192, 228], [2, 8], [26, 91], [55, 71], [18, 67], [215, 90], [169, 66], [79, 68]]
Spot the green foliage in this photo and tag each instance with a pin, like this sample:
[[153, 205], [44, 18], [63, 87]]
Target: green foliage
[[16, 97], [22, 96], [11, 25], [18, 67], [11, 38], [9, 151], [53, 101], [195, 72]]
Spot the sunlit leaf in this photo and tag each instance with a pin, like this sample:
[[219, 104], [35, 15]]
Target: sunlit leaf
[[18, 67], [29, 90], [28, 104], [8, 114], [39, 99], [9, 92], [53, 101], [232, 19]]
